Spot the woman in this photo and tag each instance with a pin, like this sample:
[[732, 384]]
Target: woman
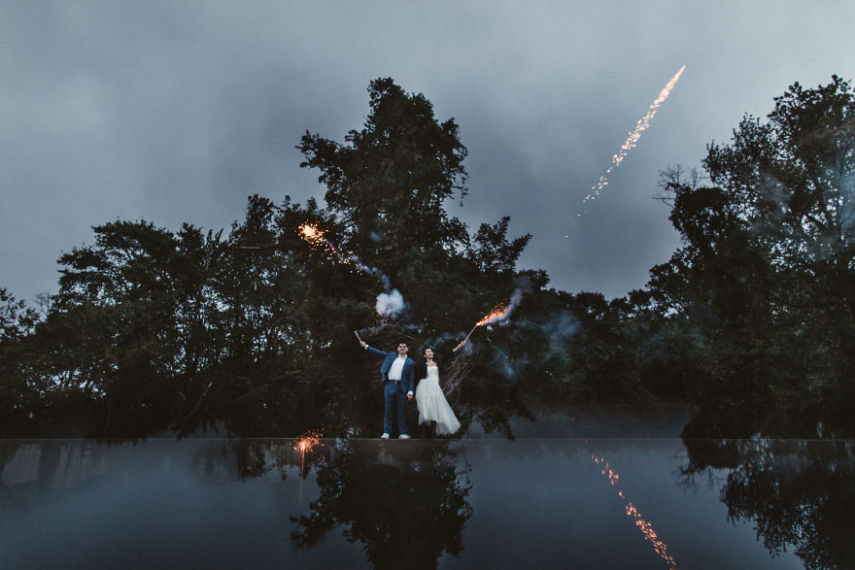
[[433, 407]]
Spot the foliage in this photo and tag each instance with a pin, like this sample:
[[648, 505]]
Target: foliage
[[251, 331], [408, 509], [797, 494], [766, 274]]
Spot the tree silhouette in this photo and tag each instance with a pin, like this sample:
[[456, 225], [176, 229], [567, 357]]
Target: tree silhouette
[[407, 508]]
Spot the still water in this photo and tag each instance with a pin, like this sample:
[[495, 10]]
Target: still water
[[487, 503]]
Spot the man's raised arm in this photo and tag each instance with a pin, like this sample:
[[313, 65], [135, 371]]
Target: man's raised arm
[[367, 347]]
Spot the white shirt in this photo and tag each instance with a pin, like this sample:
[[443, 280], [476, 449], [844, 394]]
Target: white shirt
[[397, 368]]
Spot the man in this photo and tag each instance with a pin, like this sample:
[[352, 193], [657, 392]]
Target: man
[[396, 372]]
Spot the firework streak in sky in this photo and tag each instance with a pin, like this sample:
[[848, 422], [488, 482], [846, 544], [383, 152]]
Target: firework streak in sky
[[641, 126]]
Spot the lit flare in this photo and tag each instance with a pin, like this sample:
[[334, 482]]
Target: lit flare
[[312, 234], [316, 237], [504, 309], [498, 313]]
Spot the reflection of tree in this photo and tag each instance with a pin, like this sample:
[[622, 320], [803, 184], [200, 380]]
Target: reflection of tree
[[796, 492], [253, 458], [407, 505]]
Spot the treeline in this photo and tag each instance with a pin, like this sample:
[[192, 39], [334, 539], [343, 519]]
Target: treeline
[[751, 321]]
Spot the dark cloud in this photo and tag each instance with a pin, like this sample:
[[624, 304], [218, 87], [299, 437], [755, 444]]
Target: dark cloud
[[177, 111]]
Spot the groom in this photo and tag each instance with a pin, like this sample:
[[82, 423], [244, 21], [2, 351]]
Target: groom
[[397, 375]]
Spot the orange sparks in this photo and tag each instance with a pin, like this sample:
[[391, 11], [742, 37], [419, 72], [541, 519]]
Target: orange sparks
[[316, 237], [503, 310], [631, 510], [307, 442], [498, 312], [641, 126], [312, 234], [304, 444]]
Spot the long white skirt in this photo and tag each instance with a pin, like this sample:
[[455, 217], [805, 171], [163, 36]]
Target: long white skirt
[[433, 407]]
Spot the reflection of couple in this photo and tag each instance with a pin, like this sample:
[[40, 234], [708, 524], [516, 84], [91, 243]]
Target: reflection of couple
[[397, 373]]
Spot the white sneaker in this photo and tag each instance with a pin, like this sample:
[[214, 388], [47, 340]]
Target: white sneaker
[[384, 436], [403, 436]]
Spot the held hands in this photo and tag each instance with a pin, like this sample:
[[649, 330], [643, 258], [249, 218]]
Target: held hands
[[459, 346]]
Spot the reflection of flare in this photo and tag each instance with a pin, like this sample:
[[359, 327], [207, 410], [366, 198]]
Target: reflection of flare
[[641, 126], [631, 510], [305, 444]]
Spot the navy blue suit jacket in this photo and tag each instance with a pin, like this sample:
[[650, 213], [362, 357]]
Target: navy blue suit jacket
[[389, 357]]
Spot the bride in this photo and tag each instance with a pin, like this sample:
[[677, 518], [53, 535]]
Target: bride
[[433, 407]]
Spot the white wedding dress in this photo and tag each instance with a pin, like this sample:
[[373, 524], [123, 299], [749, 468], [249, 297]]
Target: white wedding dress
[[432, 404]]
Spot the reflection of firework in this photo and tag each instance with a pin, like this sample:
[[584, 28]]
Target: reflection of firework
[[307, 442], [641, 126], [632, 512]]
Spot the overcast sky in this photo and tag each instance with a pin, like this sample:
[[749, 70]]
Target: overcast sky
[[176, 111]]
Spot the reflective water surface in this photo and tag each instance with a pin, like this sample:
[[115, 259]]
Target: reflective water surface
[[553, 503]]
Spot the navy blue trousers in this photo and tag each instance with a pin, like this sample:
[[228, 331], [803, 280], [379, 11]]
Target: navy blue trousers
[[394, 399]]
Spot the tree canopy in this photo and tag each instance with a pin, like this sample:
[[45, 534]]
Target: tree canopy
[[251, 330]]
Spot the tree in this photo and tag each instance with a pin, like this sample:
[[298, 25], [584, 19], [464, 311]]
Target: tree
[[20, 393], [390, 181], [158, 330], [797, 494], [766, 273]]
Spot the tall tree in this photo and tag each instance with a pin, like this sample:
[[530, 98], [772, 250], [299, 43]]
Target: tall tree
[[390, 180], [767, 272]]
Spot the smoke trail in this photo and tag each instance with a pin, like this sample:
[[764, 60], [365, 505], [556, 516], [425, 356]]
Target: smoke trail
[[390, 304], [434, 342], [366, 331], [553, 350], [641, 126], [314, 235]]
